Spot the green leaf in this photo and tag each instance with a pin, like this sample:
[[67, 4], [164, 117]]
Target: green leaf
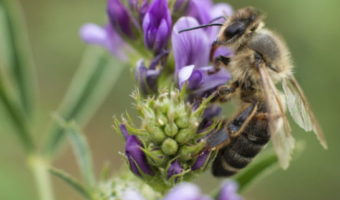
[[16, 60], [93, 81], [256, 170], [85, 192], [81, 149], [16, 117]]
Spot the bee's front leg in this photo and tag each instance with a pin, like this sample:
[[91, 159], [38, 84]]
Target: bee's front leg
[[225, 92]]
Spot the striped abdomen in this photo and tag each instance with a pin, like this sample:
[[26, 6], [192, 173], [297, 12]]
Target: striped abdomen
[[242, 148]]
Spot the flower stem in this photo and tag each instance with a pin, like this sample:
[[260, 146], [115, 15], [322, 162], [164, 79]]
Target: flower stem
[[39, 167]]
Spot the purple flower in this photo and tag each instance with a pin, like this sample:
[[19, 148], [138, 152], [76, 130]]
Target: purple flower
[[205, 12], [104, 36], [147, 77], [229, 191], [136, 157], [157, 25], [201, 160], [186, 191], [191, 52], [120, 18], [132, 194], [174, 169]]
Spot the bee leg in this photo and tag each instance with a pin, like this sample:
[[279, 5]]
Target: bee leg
[[216, 69], [219, 62], [267, 116], [225, 92], [238, 124]]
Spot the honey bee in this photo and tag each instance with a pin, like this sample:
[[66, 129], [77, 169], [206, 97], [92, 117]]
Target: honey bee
[[261, 60]]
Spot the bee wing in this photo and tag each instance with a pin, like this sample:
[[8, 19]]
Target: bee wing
[[300, 109], [279, 128]]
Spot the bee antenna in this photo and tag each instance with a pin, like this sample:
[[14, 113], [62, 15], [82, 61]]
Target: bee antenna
[[199, 27], [217, 18]]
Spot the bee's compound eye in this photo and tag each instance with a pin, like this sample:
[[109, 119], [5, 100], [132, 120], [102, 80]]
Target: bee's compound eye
[[237, 28]]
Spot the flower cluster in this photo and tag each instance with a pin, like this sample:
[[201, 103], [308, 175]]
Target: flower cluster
[[175, 77], [168, 147]]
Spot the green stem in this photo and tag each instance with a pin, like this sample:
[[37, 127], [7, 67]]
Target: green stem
[[40, 167]]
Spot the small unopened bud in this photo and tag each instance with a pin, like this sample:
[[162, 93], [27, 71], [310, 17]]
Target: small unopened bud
[[169, 146], [156, 133], [184, 135], [182, 122], [171, 129]]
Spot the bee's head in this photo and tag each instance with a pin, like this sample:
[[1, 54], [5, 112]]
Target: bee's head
[[239, 26]]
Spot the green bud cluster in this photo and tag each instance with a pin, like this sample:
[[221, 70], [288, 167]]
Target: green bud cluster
[[169, 132]]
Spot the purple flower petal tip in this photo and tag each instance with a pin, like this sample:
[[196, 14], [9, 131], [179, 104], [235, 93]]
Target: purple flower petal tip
[[174, 169], [120, 18], [185, 191], [201, 160], [93, 34], [221, 9], [184, 74], [228, 191], [223, 51]]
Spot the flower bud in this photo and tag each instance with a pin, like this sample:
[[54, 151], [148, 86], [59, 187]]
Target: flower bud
[[157, 26], [156, 133], [120, 18], [169, 147], [201, 160], [134, 153], [171, 129], [174, 169]]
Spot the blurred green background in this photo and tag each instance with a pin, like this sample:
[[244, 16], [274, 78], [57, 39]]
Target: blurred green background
[[312, 31]]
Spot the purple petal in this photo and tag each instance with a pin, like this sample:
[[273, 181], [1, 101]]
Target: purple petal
[[201, 160], [184, 74], [211, 81], [156, 25], [201, 80], [221, 9], [191, 47], [229, 191], [174, 169], [93, 34], [200, 9], [134, 153], [132, 194], [222, 51], [120, 18], [106, 37], [146, 78], [185, 191]]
